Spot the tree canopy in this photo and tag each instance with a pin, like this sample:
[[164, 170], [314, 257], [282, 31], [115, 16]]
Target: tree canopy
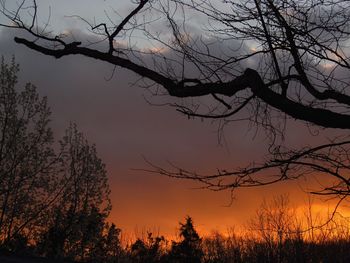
[[53, 202], [261, 61]]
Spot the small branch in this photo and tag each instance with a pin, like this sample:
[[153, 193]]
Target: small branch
[[219, 116], [228, 106], [120, 27]]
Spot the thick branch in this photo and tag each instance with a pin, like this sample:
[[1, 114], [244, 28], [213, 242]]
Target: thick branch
[[121, 26], [92, 53], [250, 79], [127, 19]]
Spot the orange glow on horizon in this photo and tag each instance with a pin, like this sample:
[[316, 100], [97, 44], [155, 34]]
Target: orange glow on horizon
[[208, 209]]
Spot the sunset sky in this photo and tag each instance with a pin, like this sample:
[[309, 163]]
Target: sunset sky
[[116, 116]]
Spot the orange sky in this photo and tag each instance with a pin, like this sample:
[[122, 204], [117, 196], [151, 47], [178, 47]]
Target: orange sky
[[160, 203]]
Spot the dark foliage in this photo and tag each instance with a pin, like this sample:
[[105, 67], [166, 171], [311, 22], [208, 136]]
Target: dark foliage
[[189, 248], [150, 250], [52, 204]]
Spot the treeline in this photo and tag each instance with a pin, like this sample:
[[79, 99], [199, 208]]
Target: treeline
[[277, 233], [266, 239]]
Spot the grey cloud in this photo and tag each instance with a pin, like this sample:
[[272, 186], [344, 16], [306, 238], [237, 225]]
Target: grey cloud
[[114, 114]]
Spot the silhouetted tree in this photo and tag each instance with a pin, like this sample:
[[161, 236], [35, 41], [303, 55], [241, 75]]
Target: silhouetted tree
[[55, 203], [27, 181], [76, 230], [88, 238], [276, 224], [263, 62], [83, 173], [189, 248]]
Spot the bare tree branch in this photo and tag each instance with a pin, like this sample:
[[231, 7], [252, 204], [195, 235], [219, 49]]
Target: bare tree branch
[[288, 59]]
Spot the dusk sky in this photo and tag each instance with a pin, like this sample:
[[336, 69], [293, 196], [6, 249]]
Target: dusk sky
[[116, 116]]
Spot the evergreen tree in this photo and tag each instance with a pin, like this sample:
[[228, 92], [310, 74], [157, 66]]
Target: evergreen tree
[[189, 248]]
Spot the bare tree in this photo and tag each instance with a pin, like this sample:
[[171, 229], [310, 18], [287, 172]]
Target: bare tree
[[84, 173], [278, 60], [77, 220], [63, 196], [275, 223], [26, 156]]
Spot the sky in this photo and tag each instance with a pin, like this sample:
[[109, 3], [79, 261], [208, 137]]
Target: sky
[[117, 117]]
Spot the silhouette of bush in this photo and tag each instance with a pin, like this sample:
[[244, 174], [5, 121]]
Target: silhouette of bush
[[221, 249], [149, 250], [80, 236]]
